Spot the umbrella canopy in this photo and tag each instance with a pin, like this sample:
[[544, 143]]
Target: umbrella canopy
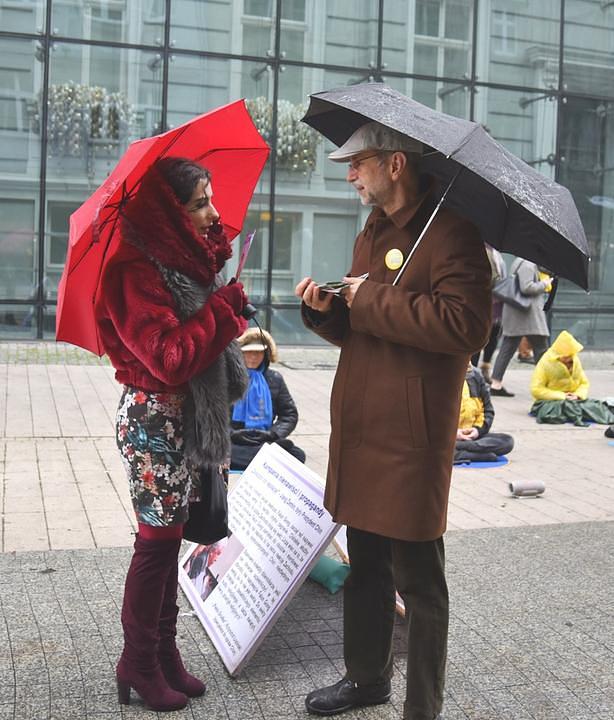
[[517, 209], [225, 141]]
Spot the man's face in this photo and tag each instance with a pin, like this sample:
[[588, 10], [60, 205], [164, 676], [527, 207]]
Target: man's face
[[368, 174]]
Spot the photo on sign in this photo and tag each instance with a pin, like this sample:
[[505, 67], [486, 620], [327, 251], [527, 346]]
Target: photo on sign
[[206, 565]]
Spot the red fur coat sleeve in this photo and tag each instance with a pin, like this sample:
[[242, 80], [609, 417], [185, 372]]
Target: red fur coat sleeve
[[139, 323]]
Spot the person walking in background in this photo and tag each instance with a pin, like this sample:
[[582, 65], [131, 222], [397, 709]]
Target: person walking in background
[[394, 415], [474, 441], [267, 413], [168, 324], [515, 323], [498, 270]]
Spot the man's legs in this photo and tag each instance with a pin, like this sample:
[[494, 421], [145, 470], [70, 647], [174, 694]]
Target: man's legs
[[369, 606], [420, 579]]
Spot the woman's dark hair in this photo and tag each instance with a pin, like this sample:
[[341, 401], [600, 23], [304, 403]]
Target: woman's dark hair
[[182, 175]]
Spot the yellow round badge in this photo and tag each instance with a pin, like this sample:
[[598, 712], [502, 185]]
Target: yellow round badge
[[394, 259]]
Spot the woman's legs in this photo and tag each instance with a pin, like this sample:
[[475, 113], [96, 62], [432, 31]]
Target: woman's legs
[[171, 663], [506, 352], [160, 482], [153, 561]]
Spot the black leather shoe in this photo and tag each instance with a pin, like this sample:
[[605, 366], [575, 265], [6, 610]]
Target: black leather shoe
[[345, 695], [500, 392]]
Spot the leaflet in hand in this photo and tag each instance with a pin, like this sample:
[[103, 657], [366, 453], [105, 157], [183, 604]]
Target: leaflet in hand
[[334, 287]]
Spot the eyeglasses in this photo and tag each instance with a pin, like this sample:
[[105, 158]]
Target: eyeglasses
[[355, 164]]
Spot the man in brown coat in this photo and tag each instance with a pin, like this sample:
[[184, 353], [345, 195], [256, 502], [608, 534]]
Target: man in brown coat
[[394, 413]]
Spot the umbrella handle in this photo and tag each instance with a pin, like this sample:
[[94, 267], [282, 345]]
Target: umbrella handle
[[424, 229]]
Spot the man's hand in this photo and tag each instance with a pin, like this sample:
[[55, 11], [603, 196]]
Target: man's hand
[[308, 292], [467, 434], [571, 396], [350, 292]]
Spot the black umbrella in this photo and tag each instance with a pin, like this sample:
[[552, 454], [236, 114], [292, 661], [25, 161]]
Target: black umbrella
[[517, 209]]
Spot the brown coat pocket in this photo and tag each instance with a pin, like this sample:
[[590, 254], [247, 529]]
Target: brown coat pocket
[[418, 431]]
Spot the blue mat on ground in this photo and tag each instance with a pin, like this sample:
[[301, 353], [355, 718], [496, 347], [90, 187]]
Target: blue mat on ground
[[610, 442], [501, 460]]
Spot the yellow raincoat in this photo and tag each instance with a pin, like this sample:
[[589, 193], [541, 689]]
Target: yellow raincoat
[[551, 378]]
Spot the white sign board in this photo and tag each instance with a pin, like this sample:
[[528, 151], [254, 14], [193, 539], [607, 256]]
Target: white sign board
[[279, 528]]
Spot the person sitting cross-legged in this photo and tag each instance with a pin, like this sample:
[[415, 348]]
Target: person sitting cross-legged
[[560, 387], [267, 413], [474, 441]]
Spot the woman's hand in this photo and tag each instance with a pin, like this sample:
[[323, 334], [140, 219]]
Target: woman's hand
[[308, 292], [234, 296]]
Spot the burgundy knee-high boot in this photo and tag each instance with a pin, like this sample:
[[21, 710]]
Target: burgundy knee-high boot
[[138, 666], [170, 660]]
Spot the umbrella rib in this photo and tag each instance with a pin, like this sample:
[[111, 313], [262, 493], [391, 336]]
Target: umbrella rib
[[464, 142], [425, 228]]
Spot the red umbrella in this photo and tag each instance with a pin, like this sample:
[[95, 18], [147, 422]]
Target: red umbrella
[[224, 140]]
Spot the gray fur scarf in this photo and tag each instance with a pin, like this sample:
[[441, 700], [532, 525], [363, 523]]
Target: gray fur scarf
[[207, 408]]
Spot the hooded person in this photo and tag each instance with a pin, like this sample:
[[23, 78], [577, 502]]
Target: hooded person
[[266, 413], [560, 387]]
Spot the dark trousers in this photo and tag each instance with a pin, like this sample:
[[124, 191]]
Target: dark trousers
[[416, 569], [509, 345], [489, 349], [483, 448]]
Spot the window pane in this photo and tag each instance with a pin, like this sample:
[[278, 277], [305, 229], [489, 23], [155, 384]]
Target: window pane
[[458, 21], [90, 124], [258, 38], [110, 20], [342, 33], [18, 248], [518, 43], [17, 322], [211, 25], [425, 59], [455, 62], [524, 122], [427, 18], [117, 100], [25, 17], [587, 156], [446, 97], [293, 10], [20, 95], [589, 47], [259, 7], [423, 36], [19, 168]]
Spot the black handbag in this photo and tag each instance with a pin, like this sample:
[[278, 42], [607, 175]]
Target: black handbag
[[508, 291], [208, 519]]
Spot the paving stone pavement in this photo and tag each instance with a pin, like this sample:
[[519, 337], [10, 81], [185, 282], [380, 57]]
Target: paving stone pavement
[[532, 627]]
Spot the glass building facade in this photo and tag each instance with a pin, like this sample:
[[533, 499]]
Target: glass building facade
[[80, 79]]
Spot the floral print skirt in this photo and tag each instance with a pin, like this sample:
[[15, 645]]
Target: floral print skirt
[[149, 433]]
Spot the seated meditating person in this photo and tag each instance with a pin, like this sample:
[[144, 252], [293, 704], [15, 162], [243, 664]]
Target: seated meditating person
[[474, 441], [560, 387], [267, 413]]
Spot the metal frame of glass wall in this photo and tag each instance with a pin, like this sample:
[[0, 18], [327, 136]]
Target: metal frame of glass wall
[[476, 58]]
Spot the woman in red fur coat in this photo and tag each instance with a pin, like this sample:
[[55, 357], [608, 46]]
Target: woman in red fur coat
[[168, 324]]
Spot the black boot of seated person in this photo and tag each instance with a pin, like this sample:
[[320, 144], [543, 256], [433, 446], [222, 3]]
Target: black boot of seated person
[[345, 695]]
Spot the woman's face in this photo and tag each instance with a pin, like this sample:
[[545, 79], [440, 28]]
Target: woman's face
[[200, 208], [253, 358]]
